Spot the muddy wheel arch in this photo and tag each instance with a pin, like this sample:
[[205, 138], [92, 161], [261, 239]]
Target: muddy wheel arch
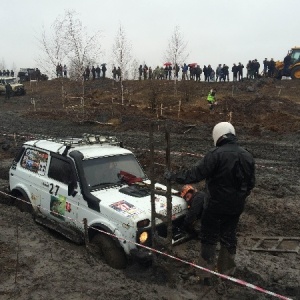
[[23, 203], [113, 254]]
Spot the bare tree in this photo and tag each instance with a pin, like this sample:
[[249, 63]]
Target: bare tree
[[2, 64], [70, 43], [82, 48], [52, 48], [134, 72], [176, 52], [121, 56]]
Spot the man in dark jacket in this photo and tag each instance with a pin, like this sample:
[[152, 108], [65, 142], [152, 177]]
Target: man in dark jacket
[[103, 69], [195, 202], [98, 70], [234, 70], [225, 71], [229, 171], [93, 70], [8, 91], [271, 67], [287, 62], [240, 68]]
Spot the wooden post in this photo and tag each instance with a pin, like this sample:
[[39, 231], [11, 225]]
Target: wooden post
[[18, 248], [152, 185], [83, 93], [169, 195], [179, 108], [33, 103], [15, 139], [122, 92], [62, 96], [230, 116], [112, 106]]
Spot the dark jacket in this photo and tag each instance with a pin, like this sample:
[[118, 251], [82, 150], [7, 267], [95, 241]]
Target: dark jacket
[[229, 171], [195, 209], [287, 60]]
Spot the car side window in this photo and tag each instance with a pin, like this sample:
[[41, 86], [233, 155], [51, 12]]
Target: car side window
[[60, 170], [35, 161]]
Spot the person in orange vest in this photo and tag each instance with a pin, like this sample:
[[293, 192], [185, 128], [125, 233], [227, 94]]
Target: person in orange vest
[[195, 202]]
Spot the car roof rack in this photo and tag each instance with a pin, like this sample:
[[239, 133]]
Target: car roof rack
[[87, 139]]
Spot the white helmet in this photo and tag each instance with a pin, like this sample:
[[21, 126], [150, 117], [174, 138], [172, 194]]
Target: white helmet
[[220, 129]]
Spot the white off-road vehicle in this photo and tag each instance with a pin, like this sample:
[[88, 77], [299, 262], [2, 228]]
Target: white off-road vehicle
[[95, 179], [16, 87]]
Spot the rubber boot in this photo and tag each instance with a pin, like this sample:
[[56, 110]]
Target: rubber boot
[[208, 253], [231, 265], [226, 262]]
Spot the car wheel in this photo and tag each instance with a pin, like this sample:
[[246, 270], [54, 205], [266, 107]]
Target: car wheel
[[112, 253], [24, 204]]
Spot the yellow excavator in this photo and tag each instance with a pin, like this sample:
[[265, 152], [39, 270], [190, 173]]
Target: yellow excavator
[[293, 70]]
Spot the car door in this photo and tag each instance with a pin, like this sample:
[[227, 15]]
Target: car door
[[56, 203], [31, 174]]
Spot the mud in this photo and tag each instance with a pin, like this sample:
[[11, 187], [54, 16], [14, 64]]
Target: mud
[[39, 264]]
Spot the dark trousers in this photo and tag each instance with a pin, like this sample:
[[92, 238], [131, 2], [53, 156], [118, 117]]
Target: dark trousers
[[219, 228]]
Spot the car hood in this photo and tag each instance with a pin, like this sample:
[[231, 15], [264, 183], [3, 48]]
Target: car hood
[[137, 204], [16, 85]]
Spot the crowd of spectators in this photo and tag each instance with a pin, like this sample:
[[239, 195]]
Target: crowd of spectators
[[7, 73], [194, 71]]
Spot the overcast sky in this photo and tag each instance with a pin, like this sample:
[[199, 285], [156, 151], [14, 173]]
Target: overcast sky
[[219, 31]]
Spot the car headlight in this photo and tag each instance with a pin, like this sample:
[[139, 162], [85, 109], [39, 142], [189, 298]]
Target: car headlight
[[143, 237]]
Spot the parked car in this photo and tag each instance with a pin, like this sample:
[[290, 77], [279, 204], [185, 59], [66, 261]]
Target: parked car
[[27, 74], [17, 88]]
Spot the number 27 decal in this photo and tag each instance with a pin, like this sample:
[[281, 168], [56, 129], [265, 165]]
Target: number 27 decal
[[53, 189]]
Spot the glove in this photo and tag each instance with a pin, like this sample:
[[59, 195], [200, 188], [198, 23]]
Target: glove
[[168, 175]]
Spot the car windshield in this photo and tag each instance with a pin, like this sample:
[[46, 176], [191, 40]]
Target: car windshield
[[102, 172]]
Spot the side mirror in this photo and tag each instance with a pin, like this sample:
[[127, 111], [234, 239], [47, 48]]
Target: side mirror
[[71, 189]]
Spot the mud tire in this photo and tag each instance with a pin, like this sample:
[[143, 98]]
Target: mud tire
[[24, 205], [113, 254], [295, 74]]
